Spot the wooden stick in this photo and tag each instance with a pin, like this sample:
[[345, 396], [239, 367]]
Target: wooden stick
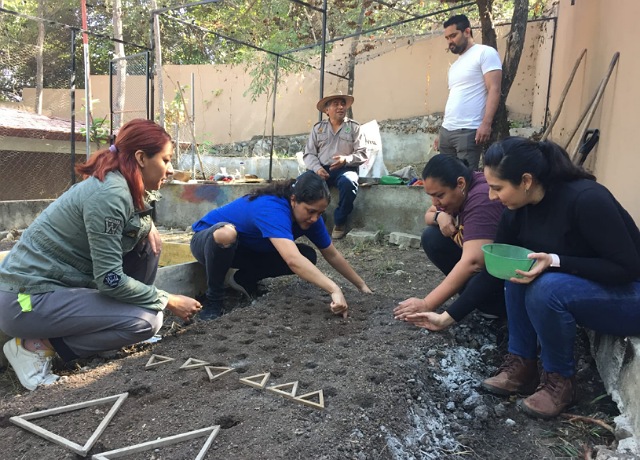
[[594, 106], [563, 96], [582, 418], [23, 422]]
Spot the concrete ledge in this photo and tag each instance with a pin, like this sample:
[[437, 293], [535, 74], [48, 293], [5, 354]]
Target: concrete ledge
[[618, 362], [20, 214], [174, 253], [187, 279], [386, 208]]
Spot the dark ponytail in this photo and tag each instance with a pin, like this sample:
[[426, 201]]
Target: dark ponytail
[[546, 161], [446, 169], [307, 188]]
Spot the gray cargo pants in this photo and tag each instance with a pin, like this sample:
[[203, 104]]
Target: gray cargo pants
[[81, 322]]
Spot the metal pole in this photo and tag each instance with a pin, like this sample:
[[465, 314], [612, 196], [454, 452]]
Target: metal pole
[[87, 88], [273, 117], [193, 130], [72, 85], [324, 51], [149, 99], [111, 65]]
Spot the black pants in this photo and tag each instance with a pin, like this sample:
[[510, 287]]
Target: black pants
[[252, 266], [445, 254]]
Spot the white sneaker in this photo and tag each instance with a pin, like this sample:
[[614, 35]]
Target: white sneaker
[[33, 368]]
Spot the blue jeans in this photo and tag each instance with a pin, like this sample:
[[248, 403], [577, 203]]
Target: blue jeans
[[548, 310], [346, 181]]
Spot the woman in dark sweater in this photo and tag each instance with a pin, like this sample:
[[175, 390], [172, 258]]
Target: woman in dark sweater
[[587, 270]]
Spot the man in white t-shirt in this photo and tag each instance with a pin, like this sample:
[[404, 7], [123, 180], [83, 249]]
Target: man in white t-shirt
[[474, 92]]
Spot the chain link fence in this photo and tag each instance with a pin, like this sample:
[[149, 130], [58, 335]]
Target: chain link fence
[[129, 88], [35, 134], [43, 131]]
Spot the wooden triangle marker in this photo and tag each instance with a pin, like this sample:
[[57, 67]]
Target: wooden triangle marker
[[156, 360], [253, 380], [222, 370], [304, 399], [192, 363], [23, 422], [211, 432], [287, 394]]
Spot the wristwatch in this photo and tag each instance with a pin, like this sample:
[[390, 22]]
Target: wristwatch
[[435, 217]]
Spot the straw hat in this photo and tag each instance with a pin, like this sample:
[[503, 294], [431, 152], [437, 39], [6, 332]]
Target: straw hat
[[323, 102]]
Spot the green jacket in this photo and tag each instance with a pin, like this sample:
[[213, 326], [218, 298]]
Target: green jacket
[[79, 241]]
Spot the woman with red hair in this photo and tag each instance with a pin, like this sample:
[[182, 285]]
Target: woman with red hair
[[80, 279]]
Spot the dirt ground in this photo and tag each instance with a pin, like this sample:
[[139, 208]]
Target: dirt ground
[[391, 391]]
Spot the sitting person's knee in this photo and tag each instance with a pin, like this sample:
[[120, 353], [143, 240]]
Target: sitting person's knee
[[225, 236]]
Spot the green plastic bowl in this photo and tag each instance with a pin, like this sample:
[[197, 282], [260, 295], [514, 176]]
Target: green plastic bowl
[[502, 260]]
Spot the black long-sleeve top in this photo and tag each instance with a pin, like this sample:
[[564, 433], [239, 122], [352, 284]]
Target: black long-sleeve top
[[580, 221]]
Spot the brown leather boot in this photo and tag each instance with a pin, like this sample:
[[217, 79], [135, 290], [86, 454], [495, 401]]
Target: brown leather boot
[[516, 375], [552, 397]]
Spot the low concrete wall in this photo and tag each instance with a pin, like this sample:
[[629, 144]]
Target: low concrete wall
[[618, 363], [379, 207], [20, 214]]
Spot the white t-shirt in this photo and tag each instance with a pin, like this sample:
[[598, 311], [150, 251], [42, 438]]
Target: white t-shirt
[[467, 90]]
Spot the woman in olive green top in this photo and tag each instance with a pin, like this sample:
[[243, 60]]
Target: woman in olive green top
[[80, 279]]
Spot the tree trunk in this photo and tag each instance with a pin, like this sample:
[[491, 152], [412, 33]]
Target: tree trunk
[[39, 60], [485, 8], [121, 67], [515, 43], [158, 65]]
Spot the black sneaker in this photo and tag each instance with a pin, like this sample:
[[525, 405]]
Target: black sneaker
[[210, 310]]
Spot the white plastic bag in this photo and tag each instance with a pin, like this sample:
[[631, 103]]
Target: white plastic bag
[[374, 166]]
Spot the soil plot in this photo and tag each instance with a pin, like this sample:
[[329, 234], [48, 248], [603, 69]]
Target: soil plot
[[374, 388]]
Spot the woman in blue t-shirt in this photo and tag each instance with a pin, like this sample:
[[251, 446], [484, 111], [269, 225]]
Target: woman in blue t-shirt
[[253, 238]]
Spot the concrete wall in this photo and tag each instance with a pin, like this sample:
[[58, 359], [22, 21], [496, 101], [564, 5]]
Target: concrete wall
[[379, 207], [615, 160], [399, 78]]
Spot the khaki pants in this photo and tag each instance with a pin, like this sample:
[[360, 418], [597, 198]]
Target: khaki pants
[[462, 143]]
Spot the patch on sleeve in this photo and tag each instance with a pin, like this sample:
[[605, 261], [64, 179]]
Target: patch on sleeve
[[112, 225], [111, 279]]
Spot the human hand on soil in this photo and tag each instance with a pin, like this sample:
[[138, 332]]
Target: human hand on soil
[[408, 307], [183, 307], [365, 289], [431, 320], [339, 304]]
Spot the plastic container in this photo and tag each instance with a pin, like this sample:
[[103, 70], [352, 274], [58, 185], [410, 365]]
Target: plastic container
[[390, 180], [502, 260]]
